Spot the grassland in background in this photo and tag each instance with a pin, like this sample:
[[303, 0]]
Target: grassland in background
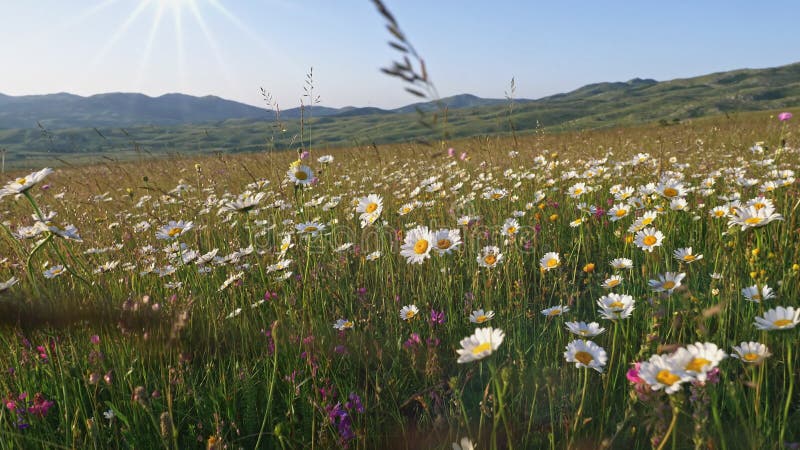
[[89, 137]]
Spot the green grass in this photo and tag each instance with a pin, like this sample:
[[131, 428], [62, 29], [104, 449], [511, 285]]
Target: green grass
[[190, 373]]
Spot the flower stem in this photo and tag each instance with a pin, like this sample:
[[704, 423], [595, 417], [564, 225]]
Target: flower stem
[[579, 414], [36, 249], [675, 412], [271, 384], [789, 369]]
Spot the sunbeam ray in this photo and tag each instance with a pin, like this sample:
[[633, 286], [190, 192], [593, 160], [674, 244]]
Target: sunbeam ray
[[87, 13], [241, 26], [176, 15], [149, 46], [238, 23], [119, 33], [212, 42]]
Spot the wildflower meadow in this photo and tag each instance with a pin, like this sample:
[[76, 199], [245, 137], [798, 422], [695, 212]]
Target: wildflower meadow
[[619, 288]]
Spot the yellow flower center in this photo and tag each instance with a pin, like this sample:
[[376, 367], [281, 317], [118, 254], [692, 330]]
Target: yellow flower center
[[689, 258], [481, 319], [697, 364], [612, 282], [490, 259], [719, 213], [174, 231], [621, 213], [554, 312], [759, 205], [670, 192], [668, 285], [667, 378], [753, 220], [647, 221], [311, 229], [750, 357], [578, 191], [348, 324], [444, 243], [649, 240], [616, 305], [371, 208], [552, 262], [512, 230], [301, 175], [584, 357], [782, 322], [409, 314], [421, 246], [406, 210], [21, 180], [482, 348], [497, 196]]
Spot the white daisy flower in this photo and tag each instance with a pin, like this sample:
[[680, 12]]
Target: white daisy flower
[[698, 359], [446, 241], [612, 282], [300, 175], [417, 245], [648, 239], [621, 263], [583, 329], [550, 261], [586, 354], [686, 255], [174, 229], [490, 257], [753, 294], [481, 344], [22, 184], [554, 311], [408, 312], [661, 372], [480, 316], [780, 318], [751, 352], [343, 324], [667, 282]]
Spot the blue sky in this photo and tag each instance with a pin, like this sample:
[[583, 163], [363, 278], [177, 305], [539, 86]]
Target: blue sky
[[231, 48]]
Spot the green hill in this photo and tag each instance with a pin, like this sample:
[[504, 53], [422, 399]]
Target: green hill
[[592, 106]]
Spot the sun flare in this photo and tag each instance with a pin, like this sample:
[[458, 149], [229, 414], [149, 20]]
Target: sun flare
[[174, 4]]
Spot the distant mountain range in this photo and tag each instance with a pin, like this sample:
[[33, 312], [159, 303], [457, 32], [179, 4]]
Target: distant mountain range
[[59, 111], [109, 123], [746, 89]]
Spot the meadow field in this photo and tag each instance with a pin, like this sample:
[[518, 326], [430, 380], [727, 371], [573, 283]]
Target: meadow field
[[620, 288]]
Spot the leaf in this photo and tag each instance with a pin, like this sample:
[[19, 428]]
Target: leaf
[[384, 11], [416, 92], [396, 32], [398, 47]]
